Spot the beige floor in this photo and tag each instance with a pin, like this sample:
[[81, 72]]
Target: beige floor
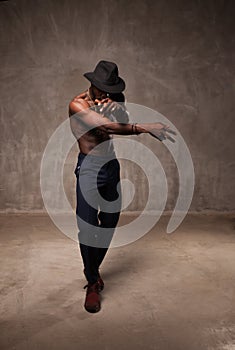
[[162, 292]]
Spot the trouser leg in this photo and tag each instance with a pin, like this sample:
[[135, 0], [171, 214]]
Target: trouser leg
[[96, 230], [108, 221], [87, 220]]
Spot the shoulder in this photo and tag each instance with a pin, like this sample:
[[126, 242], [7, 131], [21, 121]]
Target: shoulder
[[80, 98], [118, 97], [78, 103]]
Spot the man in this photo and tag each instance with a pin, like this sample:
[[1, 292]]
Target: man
[[95, 115]]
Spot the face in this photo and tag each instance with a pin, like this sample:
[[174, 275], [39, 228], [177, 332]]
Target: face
[[95, 93]]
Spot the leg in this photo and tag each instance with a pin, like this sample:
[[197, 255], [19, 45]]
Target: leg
[[87, 220], [91, 230], [108, 220]]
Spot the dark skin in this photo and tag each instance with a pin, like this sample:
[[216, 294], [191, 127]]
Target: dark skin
[[102, 128]]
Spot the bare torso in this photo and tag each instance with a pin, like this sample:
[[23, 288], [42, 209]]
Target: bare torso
[[88, 138]]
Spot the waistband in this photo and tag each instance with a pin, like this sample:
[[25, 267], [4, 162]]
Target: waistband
[[97, 157]]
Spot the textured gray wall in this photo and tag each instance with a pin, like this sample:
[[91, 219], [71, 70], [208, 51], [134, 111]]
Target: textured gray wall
[[176, 56]]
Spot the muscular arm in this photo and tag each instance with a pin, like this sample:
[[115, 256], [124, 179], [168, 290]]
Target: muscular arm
[[92, 120], [79, 109]]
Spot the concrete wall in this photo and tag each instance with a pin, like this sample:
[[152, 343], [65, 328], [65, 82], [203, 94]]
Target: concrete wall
[[176, 56]]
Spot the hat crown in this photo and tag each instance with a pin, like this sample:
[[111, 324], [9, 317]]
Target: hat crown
[[106, 72], [106, 77]]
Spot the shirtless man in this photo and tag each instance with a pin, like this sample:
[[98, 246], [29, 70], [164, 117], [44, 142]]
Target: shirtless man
[[95, 115]]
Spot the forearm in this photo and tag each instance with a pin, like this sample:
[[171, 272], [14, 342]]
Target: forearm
[[124, 129]]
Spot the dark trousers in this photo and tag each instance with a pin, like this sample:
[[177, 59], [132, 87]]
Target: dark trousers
[[98, 208]]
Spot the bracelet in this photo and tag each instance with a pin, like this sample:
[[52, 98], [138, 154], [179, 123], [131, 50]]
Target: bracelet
[[132, 128], [135, 129]]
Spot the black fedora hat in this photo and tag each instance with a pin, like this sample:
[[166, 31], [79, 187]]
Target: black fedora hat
[[105, 77]]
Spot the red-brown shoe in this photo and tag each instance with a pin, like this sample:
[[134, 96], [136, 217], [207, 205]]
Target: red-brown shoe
[[92, 302], [100, 281]]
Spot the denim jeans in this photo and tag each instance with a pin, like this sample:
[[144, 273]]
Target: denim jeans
[[98, 208]]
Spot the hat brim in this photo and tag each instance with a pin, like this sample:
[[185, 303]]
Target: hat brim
[[119, 87]]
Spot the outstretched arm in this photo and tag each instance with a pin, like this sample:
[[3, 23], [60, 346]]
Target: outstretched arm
[[79, 109]]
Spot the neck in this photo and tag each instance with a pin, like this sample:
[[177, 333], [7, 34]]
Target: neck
[[90, 95]]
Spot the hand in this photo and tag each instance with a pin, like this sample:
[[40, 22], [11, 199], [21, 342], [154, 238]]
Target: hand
[[109, 106], [160, 131], [103, 101]]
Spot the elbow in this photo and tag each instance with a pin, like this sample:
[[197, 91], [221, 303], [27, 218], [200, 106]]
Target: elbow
[[123, 118], [71, 109]]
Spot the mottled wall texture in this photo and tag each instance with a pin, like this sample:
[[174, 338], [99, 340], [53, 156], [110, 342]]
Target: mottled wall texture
[[177, 57]]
